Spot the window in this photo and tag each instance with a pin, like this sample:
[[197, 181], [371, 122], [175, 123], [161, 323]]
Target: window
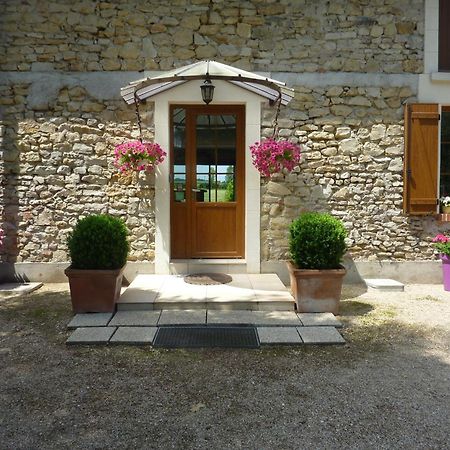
[[444, 36]]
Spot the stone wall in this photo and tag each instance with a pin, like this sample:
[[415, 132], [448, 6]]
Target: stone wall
[[265, 35], [352, 166], [58, 128], [57, 166]]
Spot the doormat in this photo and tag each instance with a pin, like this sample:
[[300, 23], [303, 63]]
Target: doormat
[[208, 278], [194, 337]]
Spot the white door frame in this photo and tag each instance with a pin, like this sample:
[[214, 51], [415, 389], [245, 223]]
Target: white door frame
[[225, 93]]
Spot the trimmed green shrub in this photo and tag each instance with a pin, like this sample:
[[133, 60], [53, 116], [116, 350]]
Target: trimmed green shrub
[[317, 241], [99, 242]]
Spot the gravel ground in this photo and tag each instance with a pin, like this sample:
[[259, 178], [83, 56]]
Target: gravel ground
[[389, 387]]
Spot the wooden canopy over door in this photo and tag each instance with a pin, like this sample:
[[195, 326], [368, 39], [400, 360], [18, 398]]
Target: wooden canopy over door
[[207, 181]]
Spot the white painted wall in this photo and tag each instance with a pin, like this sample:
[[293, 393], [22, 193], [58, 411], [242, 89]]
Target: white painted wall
[[225, 94], [434, 86]]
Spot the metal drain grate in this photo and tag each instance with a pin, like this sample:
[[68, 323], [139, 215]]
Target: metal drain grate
[[233, 337]]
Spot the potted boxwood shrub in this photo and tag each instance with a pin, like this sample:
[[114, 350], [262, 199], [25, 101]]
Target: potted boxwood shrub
[[98, 249], [317, 245]]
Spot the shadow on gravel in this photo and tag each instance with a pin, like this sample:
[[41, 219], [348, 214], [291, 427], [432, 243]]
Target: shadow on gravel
[[46, 311], [353, 290]]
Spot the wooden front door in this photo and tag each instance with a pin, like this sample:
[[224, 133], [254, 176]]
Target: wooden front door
[[207, 181]]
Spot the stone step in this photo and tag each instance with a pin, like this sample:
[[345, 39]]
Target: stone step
[[288, 305], [384, 284], [254, 292], [203, 317], [145, 335]]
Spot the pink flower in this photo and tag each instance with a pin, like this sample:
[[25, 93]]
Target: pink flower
[[441, 238], [136, 156], [270, 156]]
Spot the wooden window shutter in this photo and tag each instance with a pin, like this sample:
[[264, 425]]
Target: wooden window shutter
[[444, 36], [421, 158]]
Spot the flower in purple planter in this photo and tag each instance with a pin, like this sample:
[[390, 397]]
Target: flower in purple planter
[[441, 243]]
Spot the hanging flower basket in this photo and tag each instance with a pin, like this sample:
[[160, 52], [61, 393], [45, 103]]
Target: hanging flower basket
[[272, 156], [136, 156]]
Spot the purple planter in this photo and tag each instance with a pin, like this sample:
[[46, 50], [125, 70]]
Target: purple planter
[[446, 271]]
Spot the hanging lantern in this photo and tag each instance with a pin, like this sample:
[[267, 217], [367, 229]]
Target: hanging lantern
[[207, 89]]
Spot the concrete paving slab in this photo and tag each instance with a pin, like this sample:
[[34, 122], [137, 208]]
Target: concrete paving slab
[[176, 290], [275, 318], [384, 284], [225, 292], [283, 305], [137, 295], [266, 282], [90, 320], [179, 305], [149, 282], [231, 305], [319, 319], [182, 317], [234, 317], [20, 288], [135, 306], [134, 335], [320, 335], [91, 335], [135, 318], [262, 318], [278, 336], [273, 295]]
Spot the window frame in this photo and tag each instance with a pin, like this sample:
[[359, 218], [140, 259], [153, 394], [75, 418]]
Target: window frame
[[444, 36], [442, 108]]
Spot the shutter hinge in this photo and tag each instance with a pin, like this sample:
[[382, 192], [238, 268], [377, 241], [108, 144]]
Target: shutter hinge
[[437, 201], [408, 172]]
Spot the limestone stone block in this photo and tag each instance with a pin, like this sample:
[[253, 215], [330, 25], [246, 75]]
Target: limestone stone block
[[228, 50], [359, 101], [342, 193], [277, 188], [183, 37], [405, 27], [341, 110], [130, 50], [190, 21], [396, 165], [343, 132], [376, 31], [378, 132], [158, 28], [349, 146], [244, 30]]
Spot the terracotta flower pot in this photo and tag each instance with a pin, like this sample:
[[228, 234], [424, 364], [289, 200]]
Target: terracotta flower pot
[[316, 290], [94, 290]]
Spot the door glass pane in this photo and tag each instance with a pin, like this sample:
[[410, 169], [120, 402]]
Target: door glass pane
[[179, 154], [215, 157]]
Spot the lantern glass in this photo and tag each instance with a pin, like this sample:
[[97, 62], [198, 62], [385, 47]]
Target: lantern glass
[[207, 89]]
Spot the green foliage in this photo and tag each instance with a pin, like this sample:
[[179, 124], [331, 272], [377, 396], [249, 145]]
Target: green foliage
[[229, 191], [317, 241], [99, 242]]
